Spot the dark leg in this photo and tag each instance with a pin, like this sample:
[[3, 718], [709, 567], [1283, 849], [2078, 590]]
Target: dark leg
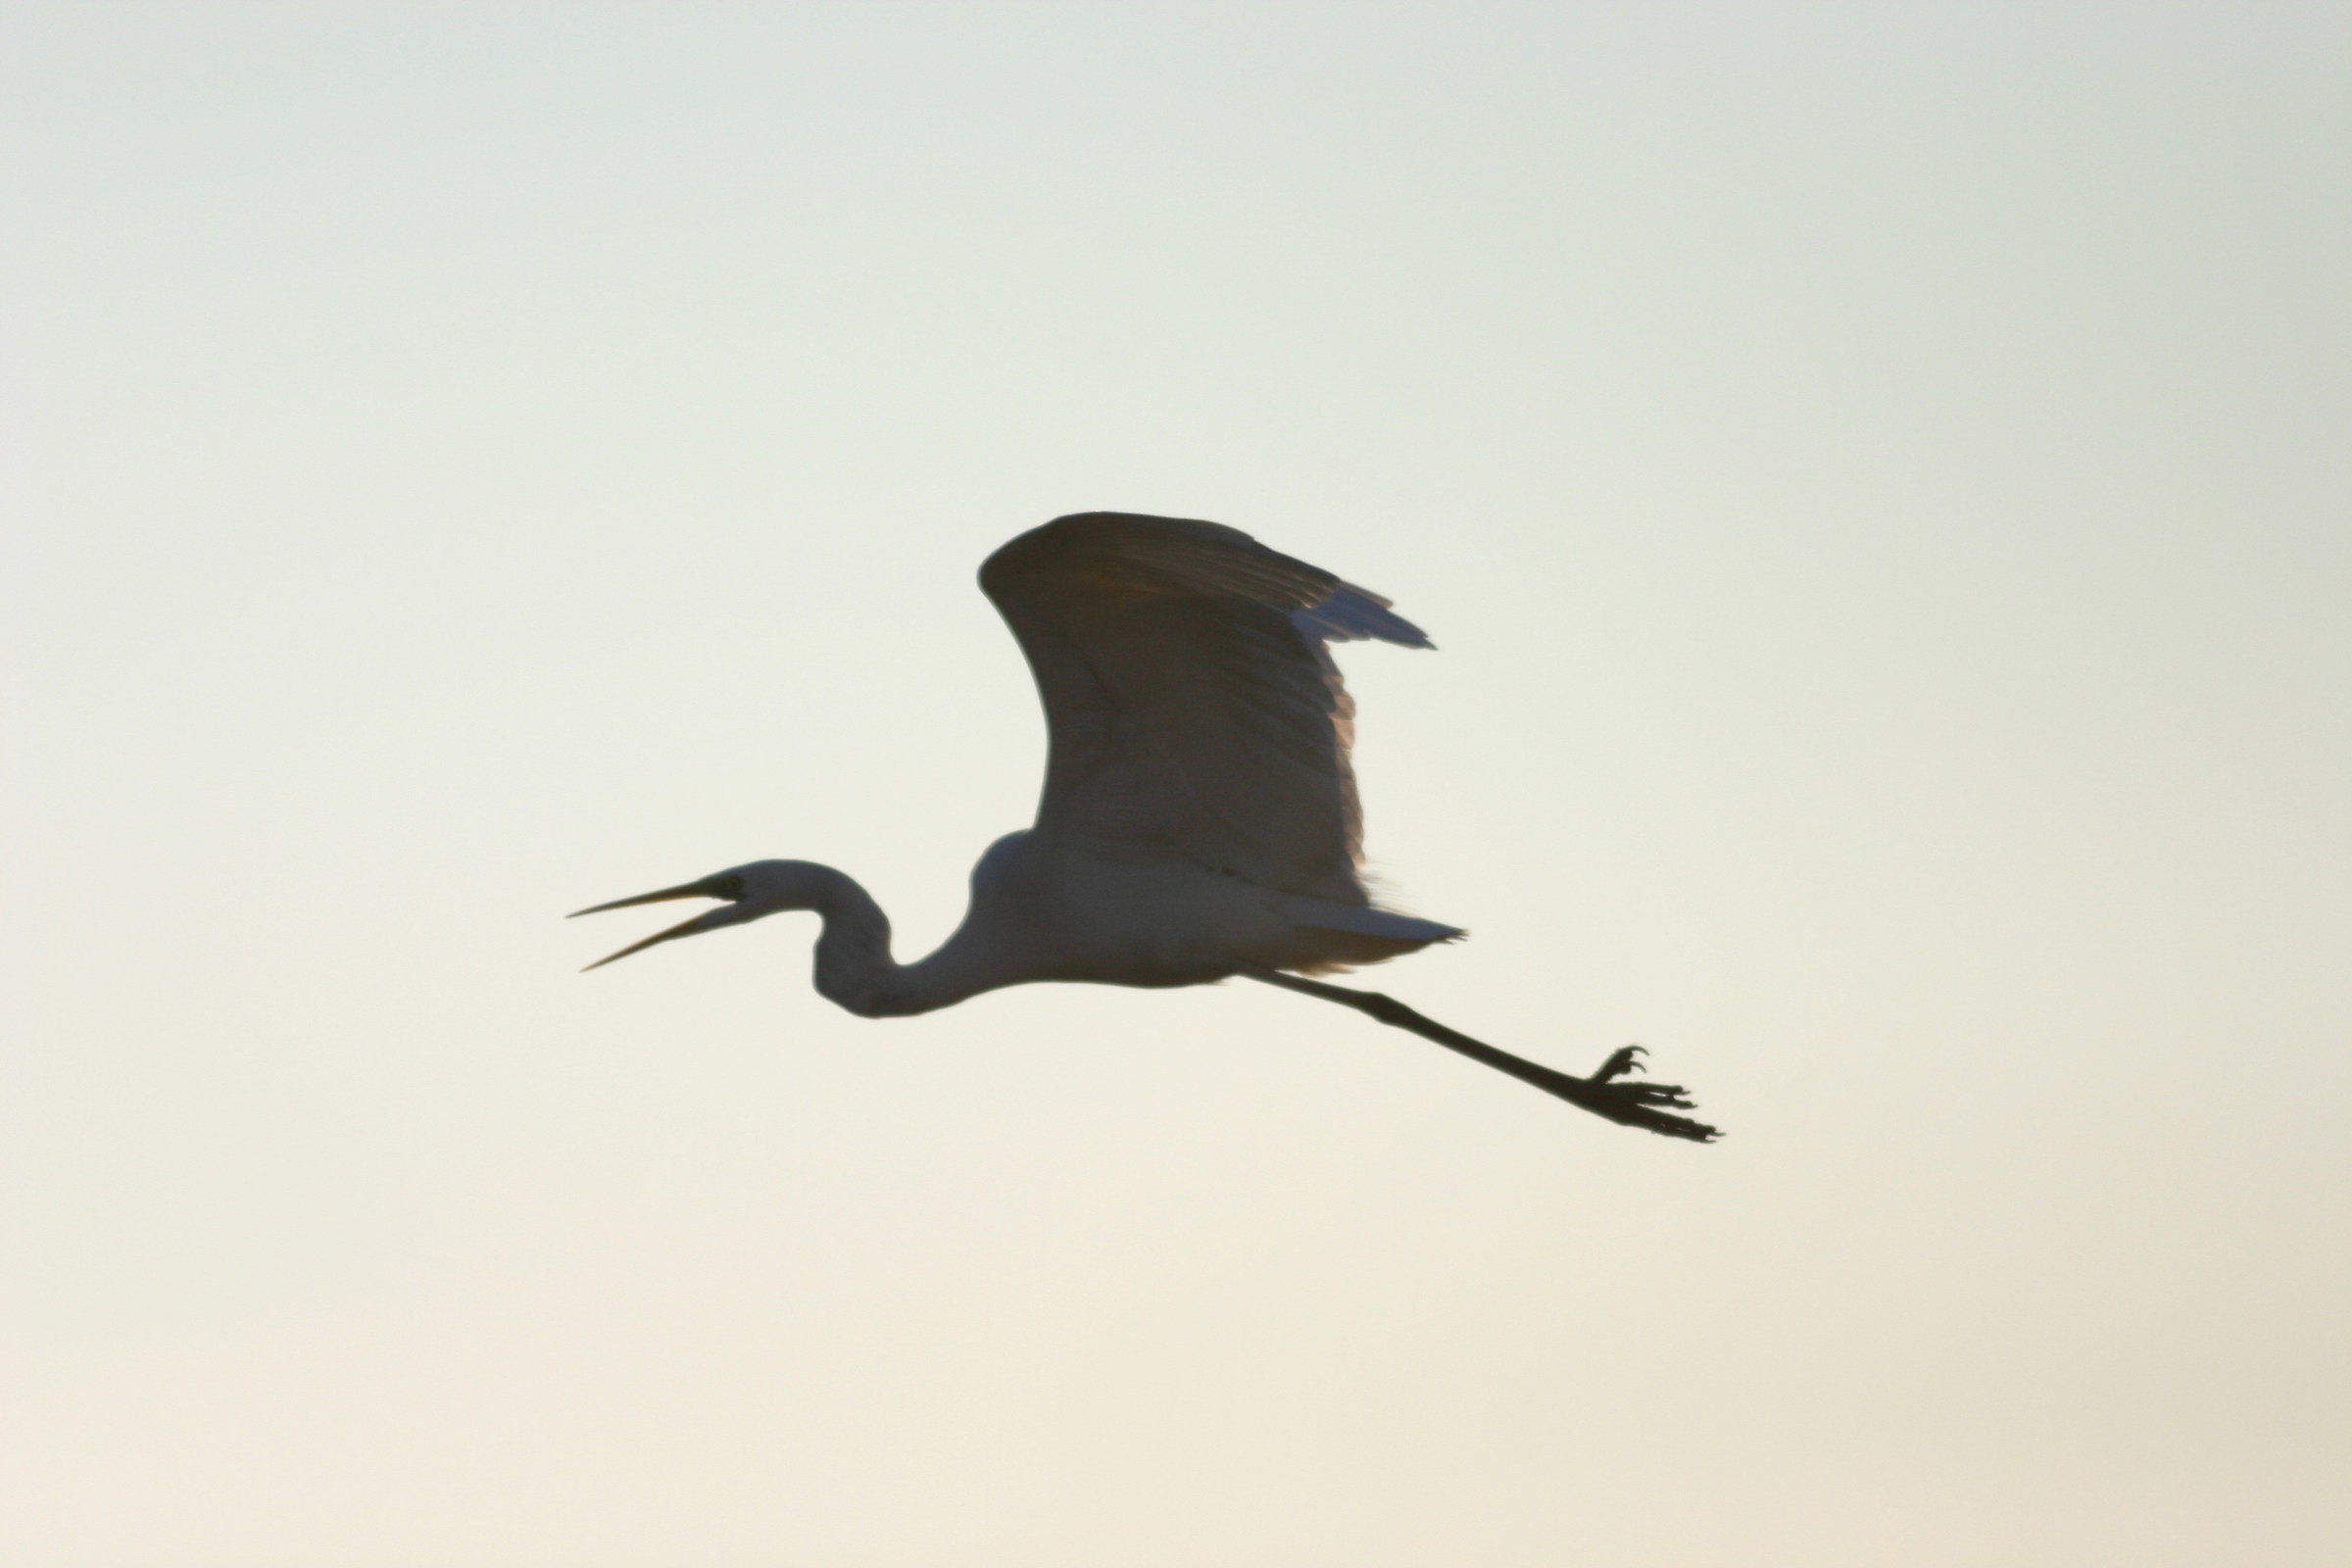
[[1636, 1104]]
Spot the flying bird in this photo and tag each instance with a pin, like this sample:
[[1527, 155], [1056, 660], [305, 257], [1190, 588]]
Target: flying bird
[[1200, 816]]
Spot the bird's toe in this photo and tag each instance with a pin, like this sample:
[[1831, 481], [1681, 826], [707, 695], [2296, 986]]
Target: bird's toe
[[1622, 1061]]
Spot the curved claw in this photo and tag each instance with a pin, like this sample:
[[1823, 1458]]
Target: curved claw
[[1622, 1061]]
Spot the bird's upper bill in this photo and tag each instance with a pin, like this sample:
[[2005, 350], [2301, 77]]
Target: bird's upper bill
[[723, 886]]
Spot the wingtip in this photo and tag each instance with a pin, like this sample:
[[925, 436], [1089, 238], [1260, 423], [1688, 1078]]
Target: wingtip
[[1358, 614]]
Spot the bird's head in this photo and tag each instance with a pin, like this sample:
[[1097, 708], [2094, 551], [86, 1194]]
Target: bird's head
[[762, 888]]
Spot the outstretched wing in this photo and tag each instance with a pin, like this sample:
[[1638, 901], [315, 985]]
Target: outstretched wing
[[1191, 703]]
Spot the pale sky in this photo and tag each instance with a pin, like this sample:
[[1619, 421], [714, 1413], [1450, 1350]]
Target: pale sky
[[1880, 479]]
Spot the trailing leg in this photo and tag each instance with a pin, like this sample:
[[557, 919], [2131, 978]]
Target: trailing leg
[[1608, 1092]]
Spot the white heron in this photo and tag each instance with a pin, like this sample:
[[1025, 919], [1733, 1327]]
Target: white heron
[[1200, 816]]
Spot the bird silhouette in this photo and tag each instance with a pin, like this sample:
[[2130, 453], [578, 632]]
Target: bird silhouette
[[1200, 816]]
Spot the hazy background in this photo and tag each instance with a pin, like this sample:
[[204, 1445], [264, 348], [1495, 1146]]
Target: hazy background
[[1880, 480]]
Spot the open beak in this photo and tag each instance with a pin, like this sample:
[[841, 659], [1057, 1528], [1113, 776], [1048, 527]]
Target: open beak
[[708, 921]]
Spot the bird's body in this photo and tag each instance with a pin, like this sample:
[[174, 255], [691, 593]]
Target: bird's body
[[1198, 819], [1042, 910]]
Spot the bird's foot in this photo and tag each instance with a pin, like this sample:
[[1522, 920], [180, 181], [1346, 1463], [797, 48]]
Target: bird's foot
[[1611, 1094]]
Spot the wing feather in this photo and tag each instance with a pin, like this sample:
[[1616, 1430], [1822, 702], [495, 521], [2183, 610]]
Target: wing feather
[[1190, 702]]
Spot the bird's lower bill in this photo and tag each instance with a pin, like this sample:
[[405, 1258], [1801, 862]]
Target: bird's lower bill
[[708, 921]]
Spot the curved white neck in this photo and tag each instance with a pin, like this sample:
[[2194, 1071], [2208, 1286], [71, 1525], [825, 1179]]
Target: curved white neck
[[855, 971]]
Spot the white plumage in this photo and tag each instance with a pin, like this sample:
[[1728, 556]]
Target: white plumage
[[1200, 816]]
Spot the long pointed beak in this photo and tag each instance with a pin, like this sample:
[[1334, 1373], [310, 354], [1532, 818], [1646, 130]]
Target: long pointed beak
[[708, 921]]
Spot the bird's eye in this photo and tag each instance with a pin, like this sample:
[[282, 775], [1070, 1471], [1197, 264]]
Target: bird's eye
[[729, 886]]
